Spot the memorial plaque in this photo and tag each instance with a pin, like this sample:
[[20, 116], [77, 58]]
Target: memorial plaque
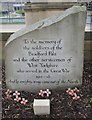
[[47, 54]]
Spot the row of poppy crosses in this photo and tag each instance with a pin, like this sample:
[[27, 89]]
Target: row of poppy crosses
[[71, 92]]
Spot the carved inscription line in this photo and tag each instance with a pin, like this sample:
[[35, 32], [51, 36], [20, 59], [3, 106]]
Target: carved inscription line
[[43, 59]]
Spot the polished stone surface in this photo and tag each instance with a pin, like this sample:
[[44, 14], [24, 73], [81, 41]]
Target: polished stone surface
[[47, 54]]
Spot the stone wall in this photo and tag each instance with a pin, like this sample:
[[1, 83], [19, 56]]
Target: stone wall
[[3, 39], [88, 46], [35, 1], [37, 11]]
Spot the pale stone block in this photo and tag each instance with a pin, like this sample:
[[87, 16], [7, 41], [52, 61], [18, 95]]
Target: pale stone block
[[41, 106]]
